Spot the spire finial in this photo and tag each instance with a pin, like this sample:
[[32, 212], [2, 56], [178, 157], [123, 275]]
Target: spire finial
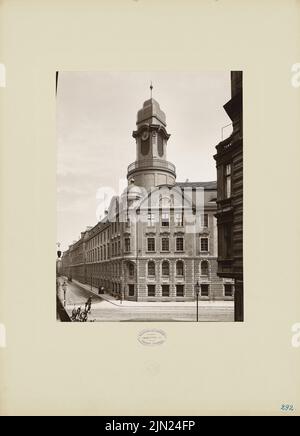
[[151, 87]]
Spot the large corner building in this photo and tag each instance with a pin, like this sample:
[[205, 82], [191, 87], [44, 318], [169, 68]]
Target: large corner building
[[155, 243]]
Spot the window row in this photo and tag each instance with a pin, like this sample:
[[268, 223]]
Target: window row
[[165, 219], [179, 244], [180, 290], [114, 249], [165, 290], [97, 254], [165, 268], [165, 244], [152, 219], [99, 239], [115, 269]]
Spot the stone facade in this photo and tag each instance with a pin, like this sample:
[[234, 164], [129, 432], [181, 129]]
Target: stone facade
[[158, 241], [229, 161]]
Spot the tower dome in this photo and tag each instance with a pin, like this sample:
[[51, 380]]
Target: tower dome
[[151, 167], [133, 192], [151, 113]]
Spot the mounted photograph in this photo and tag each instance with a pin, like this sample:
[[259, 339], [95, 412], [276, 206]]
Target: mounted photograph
[[149, 196]]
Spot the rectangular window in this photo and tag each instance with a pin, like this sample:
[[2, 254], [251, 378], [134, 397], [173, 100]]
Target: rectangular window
[[165, 219], [178, 219], [179, 268], [179, 244], [151, 244], [165, 269], [225, 241], [131, 290], [151, 290], [228, 290], [204, 220], [204, 244], [180, 290], [228, 240], [165, 290], [127, 244], [131, 270], [151, 269], [204, 290], [165, 245], [228, 181], [151, 219]]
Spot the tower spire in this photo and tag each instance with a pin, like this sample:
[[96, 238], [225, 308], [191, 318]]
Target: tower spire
[[151, 88]]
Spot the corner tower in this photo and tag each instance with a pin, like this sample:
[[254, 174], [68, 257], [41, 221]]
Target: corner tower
[[151, 167]]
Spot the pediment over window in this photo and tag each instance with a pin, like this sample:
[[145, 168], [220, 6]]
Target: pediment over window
[[150, 233], [179, 233], [204, 234]]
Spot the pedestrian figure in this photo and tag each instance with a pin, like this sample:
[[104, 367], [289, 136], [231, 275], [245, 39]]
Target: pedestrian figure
[[74, 314], [83, 317], [88, 304]]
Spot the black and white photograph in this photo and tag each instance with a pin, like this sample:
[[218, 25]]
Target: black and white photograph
[[149, 196]]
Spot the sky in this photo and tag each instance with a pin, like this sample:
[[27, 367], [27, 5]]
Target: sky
[[96, 114]]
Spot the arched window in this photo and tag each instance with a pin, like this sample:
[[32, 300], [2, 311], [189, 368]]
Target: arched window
[[131, 269], [151, 269], [160, 145], [165, 268], [204, 268], [145, 147], [179, 268]]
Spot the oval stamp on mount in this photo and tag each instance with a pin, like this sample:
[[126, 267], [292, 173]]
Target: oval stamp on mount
[[152, 337]]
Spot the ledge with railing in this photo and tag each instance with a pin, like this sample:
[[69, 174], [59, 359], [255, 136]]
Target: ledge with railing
[[156, 163]]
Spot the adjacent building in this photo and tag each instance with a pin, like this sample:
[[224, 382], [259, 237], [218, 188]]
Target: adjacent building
[[158, 240], [229, 161]]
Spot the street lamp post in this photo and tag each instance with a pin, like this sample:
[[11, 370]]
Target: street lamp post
[[197, 289], [64, 287]]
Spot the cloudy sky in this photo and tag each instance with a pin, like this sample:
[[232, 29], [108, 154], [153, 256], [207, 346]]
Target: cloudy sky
[[96, 114]]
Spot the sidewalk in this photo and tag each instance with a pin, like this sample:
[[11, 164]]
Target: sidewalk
[[125, 303], [93, 290]]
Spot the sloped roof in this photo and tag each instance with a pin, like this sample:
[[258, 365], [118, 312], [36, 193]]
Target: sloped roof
[[206, 185], [151, 109]]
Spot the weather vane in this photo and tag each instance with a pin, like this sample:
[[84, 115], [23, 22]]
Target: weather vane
[[151, 87]]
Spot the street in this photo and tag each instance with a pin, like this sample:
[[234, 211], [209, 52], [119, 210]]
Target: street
[[106, 308]]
